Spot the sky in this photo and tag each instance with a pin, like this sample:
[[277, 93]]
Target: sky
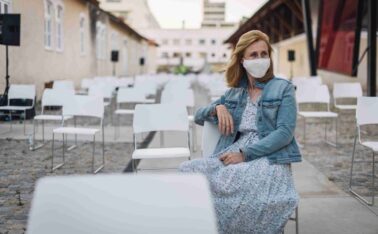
[[171, 13]]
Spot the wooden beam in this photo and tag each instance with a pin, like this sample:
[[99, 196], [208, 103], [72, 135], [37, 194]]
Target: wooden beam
[[298, 13]]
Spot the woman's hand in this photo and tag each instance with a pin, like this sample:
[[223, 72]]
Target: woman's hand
[[232, 158], [226, 123]]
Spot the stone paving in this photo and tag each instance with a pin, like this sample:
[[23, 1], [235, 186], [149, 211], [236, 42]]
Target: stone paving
[[20, 168]]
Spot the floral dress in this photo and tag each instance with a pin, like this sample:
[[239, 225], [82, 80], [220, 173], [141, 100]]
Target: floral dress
[[249, 197]]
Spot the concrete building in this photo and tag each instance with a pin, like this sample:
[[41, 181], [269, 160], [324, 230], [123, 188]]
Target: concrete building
[[214, 14], [199, 49], [136, 13], [70, 40]]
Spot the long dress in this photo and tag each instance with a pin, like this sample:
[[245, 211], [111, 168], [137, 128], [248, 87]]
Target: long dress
[[249, 197]]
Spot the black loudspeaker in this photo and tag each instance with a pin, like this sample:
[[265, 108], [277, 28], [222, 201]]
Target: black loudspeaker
[[10, 29], [114, 55], [141, 61], [291, 55]]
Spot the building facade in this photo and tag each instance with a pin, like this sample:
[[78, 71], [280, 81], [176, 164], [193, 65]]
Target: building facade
[[198, 49], [70, 40]]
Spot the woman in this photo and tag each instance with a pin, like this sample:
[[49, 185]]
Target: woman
[[249, 173]]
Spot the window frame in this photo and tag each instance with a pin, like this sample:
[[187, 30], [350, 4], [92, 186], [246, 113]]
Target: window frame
[[59, 24], [82, 24]]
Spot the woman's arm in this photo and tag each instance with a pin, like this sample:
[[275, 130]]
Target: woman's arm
[[208, 113], [284, 132]]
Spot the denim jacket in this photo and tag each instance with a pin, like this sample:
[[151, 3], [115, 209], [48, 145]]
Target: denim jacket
[[275, 120]]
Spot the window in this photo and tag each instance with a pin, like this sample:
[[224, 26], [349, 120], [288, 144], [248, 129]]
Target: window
[[188, 41], [100, 41], [114, 41], [201, 41], [59, 28], [188, 54], [176, 41], [5, 6], [49, 11], [82, 34], [213, 55], [213, 42], [164, 55]]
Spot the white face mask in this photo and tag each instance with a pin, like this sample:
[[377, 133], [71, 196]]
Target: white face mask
[[257, 68]]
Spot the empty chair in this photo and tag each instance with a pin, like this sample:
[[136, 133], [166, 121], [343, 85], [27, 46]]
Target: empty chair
[[160, 117], [366, 113], [316, 94], [346, 90], [313, 80], [64, 84], [85, 84], [82, 106], [127, 96], [19, 92], [51, 98], [138, 204]]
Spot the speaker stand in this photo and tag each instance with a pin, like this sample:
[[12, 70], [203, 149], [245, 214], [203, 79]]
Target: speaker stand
[[4, 98], [114, 68], [291, 70]]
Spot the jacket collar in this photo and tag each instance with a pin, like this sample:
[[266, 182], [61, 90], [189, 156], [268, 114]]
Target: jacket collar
[[244, 82]]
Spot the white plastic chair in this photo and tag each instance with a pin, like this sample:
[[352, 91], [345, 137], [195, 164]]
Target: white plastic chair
[[127, 95], [366, 113], [313, 80], [82, 106], [346, 90], [19, 92], [64, 84], [138, 204], [50, 97], [316, 94], [160, 117], [210, 138], [182, 96]]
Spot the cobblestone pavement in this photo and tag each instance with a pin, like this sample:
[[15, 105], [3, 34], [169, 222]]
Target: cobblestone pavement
[[20, 168]]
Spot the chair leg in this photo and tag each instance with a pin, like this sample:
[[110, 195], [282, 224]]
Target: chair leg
[[93, 152], [353, 192], [296, 221], [24, 122], [52, 155], [75, 144], [103, 153], [304, 131]]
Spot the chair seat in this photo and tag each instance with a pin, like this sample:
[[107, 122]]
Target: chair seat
[[371, 144], [150, 153], [346, 107], [191, 118], [318, 114], [124, 112], [15, 107], [52, 117], [149, 100], [79, 131]]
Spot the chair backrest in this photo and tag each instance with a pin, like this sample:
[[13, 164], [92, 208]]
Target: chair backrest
[[63, 84], [86, 83], [347, 90], [313, 80], [183, 96], [367, 110], [161, 204], [160, 117], [101, 89], [56, 97], [21, 92], [312, 94], [130, 95], [210, 138], [80, 105]]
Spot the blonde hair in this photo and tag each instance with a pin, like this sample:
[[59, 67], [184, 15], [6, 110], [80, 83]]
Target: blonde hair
[[235, 69]]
